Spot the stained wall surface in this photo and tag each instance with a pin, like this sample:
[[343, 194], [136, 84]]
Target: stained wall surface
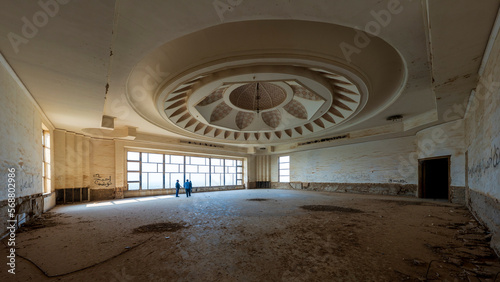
[[20, 150], [446, 140], [379, 167], [482, 131], [99, 165]]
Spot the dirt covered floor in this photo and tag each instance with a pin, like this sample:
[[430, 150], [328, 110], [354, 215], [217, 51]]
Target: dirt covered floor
[[255, 235]]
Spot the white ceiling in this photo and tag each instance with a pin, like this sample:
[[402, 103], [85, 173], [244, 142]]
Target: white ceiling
[[79, 62]]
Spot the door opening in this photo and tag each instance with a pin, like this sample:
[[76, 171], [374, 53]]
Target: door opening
[[434, 178]]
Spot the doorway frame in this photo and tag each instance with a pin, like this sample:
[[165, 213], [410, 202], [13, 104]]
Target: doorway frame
[[420, 175]]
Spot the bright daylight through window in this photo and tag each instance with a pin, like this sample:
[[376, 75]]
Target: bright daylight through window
[[284, 169], [46, 161], [160, 171]]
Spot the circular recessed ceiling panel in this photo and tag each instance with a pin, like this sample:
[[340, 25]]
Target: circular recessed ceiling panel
[[264, 85], [257, 96], [239, 103]]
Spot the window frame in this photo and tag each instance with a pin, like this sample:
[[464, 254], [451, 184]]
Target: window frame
[[46, 161], [283, 172], [187, 162]]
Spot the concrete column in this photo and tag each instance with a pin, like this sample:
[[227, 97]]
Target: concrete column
[[263, 168], [120, 164], [86, 178], [70, 160], [78, 161], [59, 161]]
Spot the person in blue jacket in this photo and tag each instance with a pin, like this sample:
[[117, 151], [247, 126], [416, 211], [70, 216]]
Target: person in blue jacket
[[177, 187], [187, 186]]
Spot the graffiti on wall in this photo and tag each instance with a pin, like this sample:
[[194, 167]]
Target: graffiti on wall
[[400, 181], [102, 180], [491, 161]]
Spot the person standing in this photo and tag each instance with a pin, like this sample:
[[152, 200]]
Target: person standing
[[177, 187], [187, 188], [190, 187]]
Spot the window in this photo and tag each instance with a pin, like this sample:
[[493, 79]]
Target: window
[[152, 171], [198, 171], [46, 183], [239, 172], [160, 171], [217, 172], [174, 170], [230, 172], [284, 169], [134, 170]]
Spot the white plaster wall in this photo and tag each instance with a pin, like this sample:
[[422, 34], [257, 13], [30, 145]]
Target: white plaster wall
[[445, 140], [250, 173], [483, 130], [20, 133], [371, 162], [102, 156], [59, 139], [262, 168], [71, 156]]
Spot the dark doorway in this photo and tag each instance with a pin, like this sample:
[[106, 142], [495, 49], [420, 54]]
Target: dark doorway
[[434, 176]]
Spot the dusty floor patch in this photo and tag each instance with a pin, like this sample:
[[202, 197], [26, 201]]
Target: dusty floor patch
[[230, 239], [330, 208], [160, 227], [46, 220]]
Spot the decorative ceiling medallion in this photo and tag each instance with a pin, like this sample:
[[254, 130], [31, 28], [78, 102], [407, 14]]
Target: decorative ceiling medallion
[[244, 119], [257, 95], [220, 112], [215, 96], [302, 92], [272, 118], [240, 105], [296, 109]]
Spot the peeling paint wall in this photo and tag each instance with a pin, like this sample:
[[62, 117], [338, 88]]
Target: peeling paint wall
[[72, 160], [482, 130], [100, 165], [102, 154], [21, 149], [72, 164], [446, 140], [21, 133], [365, 166]]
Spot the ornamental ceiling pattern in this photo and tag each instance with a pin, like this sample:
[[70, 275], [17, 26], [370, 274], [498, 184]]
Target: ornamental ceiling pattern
[[220, 112], [263, 110], [296, 109], [302, 92], [272, 118], [244, 119], [215, 96]]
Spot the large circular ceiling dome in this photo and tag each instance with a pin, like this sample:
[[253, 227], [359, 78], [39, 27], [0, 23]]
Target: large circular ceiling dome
[[268, 82], [298, 100], [257, 96]]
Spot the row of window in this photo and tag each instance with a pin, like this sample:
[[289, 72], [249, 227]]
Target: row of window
[[160, 171], [46, 161], [284, 169]]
